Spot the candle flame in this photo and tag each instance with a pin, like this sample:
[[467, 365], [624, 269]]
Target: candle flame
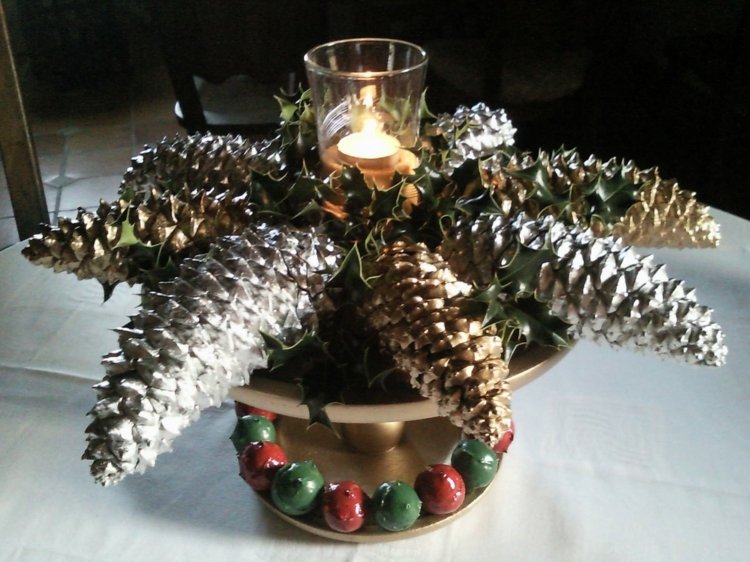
[[371, 126], [367, 95]]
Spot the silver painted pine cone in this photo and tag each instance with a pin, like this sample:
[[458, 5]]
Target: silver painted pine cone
[[472, 132], [602, 288], [215, 163], [200, 335]]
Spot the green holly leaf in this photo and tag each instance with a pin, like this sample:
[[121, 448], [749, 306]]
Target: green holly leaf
[[301, 353], [302, 191], [127, 235], [157, 273], [316, 400], [543, 192], [108, 289], [424, 111], [481, 201], [610, 198], [536, 323], [521, 273], [287, 108], [386, 203], [350, 276], [492, 297], [316, 369], [356, 191], [127, 194]]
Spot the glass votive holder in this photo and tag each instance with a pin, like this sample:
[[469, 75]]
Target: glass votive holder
[[366, 95]]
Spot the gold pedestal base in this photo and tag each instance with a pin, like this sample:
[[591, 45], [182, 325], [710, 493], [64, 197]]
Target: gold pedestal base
[[373, 438]]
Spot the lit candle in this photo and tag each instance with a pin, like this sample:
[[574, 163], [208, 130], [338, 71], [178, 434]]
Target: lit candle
[[369, 145], [376, 153]]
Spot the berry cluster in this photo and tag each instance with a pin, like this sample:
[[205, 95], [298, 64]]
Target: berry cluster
[[298, 488]]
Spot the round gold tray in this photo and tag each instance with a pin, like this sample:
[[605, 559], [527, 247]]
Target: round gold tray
[[424, 442], [426, 439], [284, 397]]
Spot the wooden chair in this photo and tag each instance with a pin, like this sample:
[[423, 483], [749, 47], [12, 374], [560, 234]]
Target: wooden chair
[[17, 147], [227, 59]]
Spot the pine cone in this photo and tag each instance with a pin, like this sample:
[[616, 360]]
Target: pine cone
[[471, 133], [93, 246], [182, 193], [199, 335], [211, 162], [86, 246], [602, 288], [668, 216], [611, 197], [418, 309]]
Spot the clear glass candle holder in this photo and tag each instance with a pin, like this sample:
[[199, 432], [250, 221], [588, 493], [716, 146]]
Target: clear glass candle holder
[[366, 95]]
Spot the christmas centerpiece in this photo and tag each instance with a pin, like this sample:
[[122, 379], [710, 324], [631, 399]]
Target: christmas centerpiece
[[367, 248]]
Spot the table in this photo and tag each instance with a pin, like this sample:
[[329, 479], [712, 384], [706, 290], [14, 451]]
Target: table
[[618, 456]]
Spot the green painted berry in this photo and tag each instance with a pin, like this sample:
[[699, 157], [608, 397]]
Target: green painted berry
[[396, 505], [296, 487], [476, 462], [252, 428]]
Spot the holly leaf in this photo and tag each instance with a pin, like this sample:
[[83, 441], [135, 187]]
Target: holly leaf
[[350, 276], [127, 235], [318, 371], [536, 323], [354, 187], [492, 297], [302, 191], [108, 289], [316, 397], [476, 203], [610, 198], [287, 108], [521, 273], [301, 353], [158, 273], [386, 203], [538, 176], [424, 111]]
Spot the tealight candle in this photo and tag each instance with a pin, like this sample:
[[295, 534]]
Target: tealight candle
[[369, 144], [370, 148]]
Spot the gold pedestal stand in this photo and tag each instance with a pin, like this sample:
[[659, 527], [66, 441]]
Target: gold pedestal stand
[[374, 443]]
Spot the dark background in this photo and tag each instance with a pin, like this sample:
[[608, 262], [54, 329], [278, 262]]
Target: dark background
[[659, 82]]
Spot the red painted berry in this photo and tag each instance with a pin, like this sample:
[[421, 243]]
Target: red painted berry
[[259, 462], [244, 410], [505, 441], [441, 489], [343, 506]]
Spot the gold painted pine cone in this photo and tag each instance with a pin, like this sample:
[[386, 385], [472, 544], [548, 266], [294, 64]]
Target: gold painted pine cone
[[85, 246], [93, 245], [667, 216], [182, 193], [664, 215], [417, 306]]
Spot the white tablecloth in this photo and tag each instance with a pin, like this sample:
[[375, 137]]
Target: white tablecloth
[[618, 456]]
